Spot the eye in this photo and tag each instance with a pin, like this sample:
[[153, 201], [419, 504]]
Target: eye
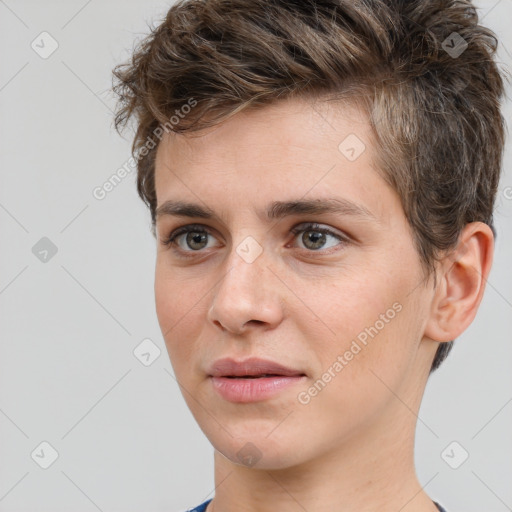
[[315, 237], [195, 238]]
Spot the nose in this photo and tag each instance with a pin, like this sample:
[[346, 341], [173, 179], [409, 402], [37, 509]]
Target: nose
[[247, 295]]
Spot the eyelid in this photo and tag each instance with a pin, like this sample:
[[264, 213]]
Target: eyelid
[[315, 226], [182, 230]]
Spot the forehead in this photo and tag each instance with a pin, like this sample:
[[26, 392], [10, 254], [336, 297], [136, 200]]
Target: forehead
[[290, 149], [284, 127]]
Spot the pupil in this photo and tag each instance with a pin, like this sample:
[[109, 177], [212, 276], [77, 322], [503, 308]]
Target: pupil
[[316, 237], [193, 238]]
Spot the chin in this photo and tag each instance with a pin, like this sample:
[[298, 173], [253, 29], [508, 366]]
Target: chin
[[258, 450]]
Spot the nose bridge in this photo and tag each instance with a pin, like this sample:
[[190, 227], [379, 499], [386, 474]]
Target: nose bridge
[[245, 271], [244, 294]]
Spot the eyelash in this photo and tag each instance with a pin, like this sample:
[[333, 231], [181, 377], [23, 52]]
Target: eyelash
[[197, 228]]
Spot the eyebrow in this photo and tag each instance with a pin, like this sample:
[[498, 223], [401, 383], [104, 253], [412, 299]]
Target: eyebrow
[[275, 210]]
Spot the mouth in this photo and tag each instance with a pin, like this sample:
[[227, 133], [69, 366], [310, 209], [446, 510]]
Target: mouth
[[252, 380], [262, 376], [252, 368], [254, 388]]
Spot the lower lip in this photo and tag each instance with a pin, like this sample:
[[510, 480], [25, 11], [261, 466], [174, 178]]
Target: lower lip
[[252, 390]]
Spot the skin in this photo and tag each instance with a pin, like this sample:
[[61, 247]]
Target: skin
[[351, 446]]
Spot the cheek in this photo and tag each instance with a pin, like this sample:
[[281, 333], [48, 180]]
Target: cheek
[[357, 380], [354, 304], [376, 323], [177, 310], [174, 297], [166, 304]]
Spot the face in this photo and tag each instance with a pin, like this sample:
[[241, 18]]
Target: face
[[335, 295]]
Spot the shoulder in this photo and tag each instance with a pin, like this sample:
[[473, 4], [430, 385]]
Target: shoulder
[[199, 508]]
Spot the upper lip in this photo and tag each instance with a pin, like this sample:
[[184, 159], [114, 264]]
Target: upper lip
[[228, 367]]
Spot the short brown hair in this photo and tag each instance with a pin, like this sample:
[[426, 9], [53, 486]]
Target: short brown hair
[[423, 70]]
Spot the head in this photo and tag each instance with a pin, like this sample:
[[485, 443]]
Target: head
[[241, 104]]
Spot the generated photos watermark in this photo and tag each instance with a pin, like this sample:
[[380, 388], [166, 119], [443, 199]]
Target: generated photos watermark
[[100, 192], [304, 397]]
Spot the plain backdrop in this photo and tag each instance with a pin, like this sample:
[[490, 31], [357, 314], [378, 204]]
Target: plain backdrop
[[76, 298]]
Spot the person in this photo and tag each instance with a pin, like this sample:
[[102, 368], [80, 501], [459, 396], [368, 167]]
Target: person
[[321, 177]]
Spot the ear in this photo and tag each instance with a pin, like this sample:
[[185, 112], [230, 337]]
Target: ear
[[462, 277]]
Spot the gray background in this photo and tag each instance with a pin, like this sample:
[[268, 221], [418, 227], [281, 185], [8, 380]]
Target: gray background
[[124, 436]]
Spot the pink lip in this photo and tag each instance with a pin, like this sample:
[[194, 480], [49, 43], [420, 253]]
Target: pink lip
[[252, 390], [228, 367], [227, 376]]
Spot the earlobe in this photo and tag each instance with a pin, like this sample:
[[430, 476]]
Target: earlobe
[[462, 277]]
